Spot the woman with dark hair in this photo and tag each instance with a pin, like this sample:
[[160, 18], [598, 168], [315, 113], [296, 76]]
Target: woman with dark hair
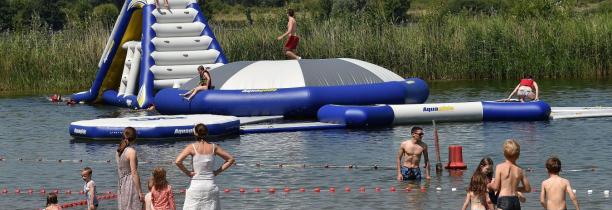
[[129, 194], [203, 193]]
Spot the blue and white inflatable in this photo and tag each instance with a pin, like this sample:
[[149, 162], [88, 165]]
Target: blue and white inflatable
[[385, 115], [292, 88], [154, 127], [150, 49]]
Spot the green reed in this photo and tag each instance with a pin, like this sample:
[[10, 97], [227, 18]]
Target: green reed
[[462, 47], [41, 60], [453, 48]]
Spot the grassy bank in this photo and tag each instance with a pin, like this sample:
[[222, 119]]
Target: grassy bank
[[449, 48]]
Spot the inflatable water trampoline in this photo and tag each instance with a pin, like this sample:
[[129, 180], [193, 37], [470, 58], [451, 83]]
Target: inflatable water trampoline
[[292, 88]]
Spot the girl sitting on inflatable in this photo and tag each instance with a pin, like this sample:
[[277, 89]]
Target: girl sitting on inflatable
[[205, 82], [527, 90]]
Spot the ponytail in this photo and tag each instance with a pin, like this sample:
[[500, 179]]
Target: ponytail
[[129, 135], [200, 131]]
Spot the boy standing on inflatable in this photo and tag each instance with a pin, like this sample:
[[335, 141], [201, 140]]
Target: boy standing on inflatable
[[293, 40], [526, 90]]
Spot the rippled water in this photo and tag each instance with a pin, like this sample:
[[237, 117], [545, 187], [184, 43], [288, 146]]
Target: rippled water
[[32, 128]]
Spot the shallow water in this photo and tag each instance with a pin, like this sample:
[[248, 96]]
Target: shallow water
[[32, 128]]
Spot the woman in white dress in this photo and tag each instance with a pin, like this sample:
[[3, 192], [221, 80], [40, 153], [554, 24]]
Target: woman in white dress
[[203, 193]]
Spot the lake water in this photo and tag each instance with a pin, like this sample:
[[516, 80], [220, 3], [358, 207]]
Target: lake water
[[31, 128]]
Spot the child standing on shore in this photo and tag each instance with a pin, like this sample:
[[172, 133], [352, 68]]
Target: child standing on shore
[[89, 188], [554, 188], [161, 193], [477, 194], [507, 178]]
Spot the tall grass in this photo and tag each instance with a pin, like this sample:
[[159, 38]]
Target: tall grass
[[461, 47], [451, 48], [43, 60]]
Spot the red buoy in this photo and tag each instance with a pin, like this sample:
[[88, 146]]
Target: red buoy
[[242, 190], [287, 189], [455, 157], [272, 190], [347, 189], [257, 190], [392, 189], [317, 189], [226, 190], [302, 190], [332, 189], [362, 189]]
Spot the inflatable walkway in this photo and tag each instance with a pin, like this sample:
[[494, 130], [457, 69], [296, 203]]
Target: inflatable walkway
[[386, 115], [152, 48]]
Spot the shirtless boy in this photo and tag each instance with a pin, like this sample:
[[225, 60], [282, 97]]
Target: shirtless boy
[[293, 40], [507, 178], [554, 188], [412, 149]]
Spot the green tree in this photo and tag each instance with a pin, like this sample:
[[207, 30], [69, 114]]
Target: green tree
[[7, 15], [107, 13]]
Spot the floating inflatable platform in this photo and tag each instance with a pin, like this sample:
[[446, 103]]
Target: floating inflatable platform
[[154, 127], [385, 115], [579, 112], [292, 88], [289, 127]]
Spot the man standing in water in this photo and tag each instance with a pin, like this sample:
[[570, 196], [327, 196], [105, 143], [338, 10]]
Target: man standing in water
[[293, 40], [412, 149]]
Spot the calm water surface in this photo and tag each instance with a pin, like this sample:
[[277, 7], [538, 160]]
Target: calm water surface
[[32, 128]]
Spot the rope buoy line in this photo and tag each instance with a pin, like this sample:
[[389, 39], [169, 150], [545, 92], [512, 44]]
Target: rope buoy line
[[109, 194], [255, 165]]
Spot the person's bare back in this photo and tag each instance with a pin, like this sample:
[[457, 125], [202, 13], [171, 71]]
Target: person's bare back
[[510, 175], [553, 192], [552, 195]]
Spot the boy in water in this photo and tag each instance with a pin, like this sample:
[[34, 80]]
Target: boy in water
[[89, 188], [507, 178], [554, 188], [412, 149]]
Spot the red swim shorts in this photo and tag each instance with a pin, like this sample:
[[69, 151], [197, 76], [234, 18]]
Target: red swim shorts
[[292, 42]]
